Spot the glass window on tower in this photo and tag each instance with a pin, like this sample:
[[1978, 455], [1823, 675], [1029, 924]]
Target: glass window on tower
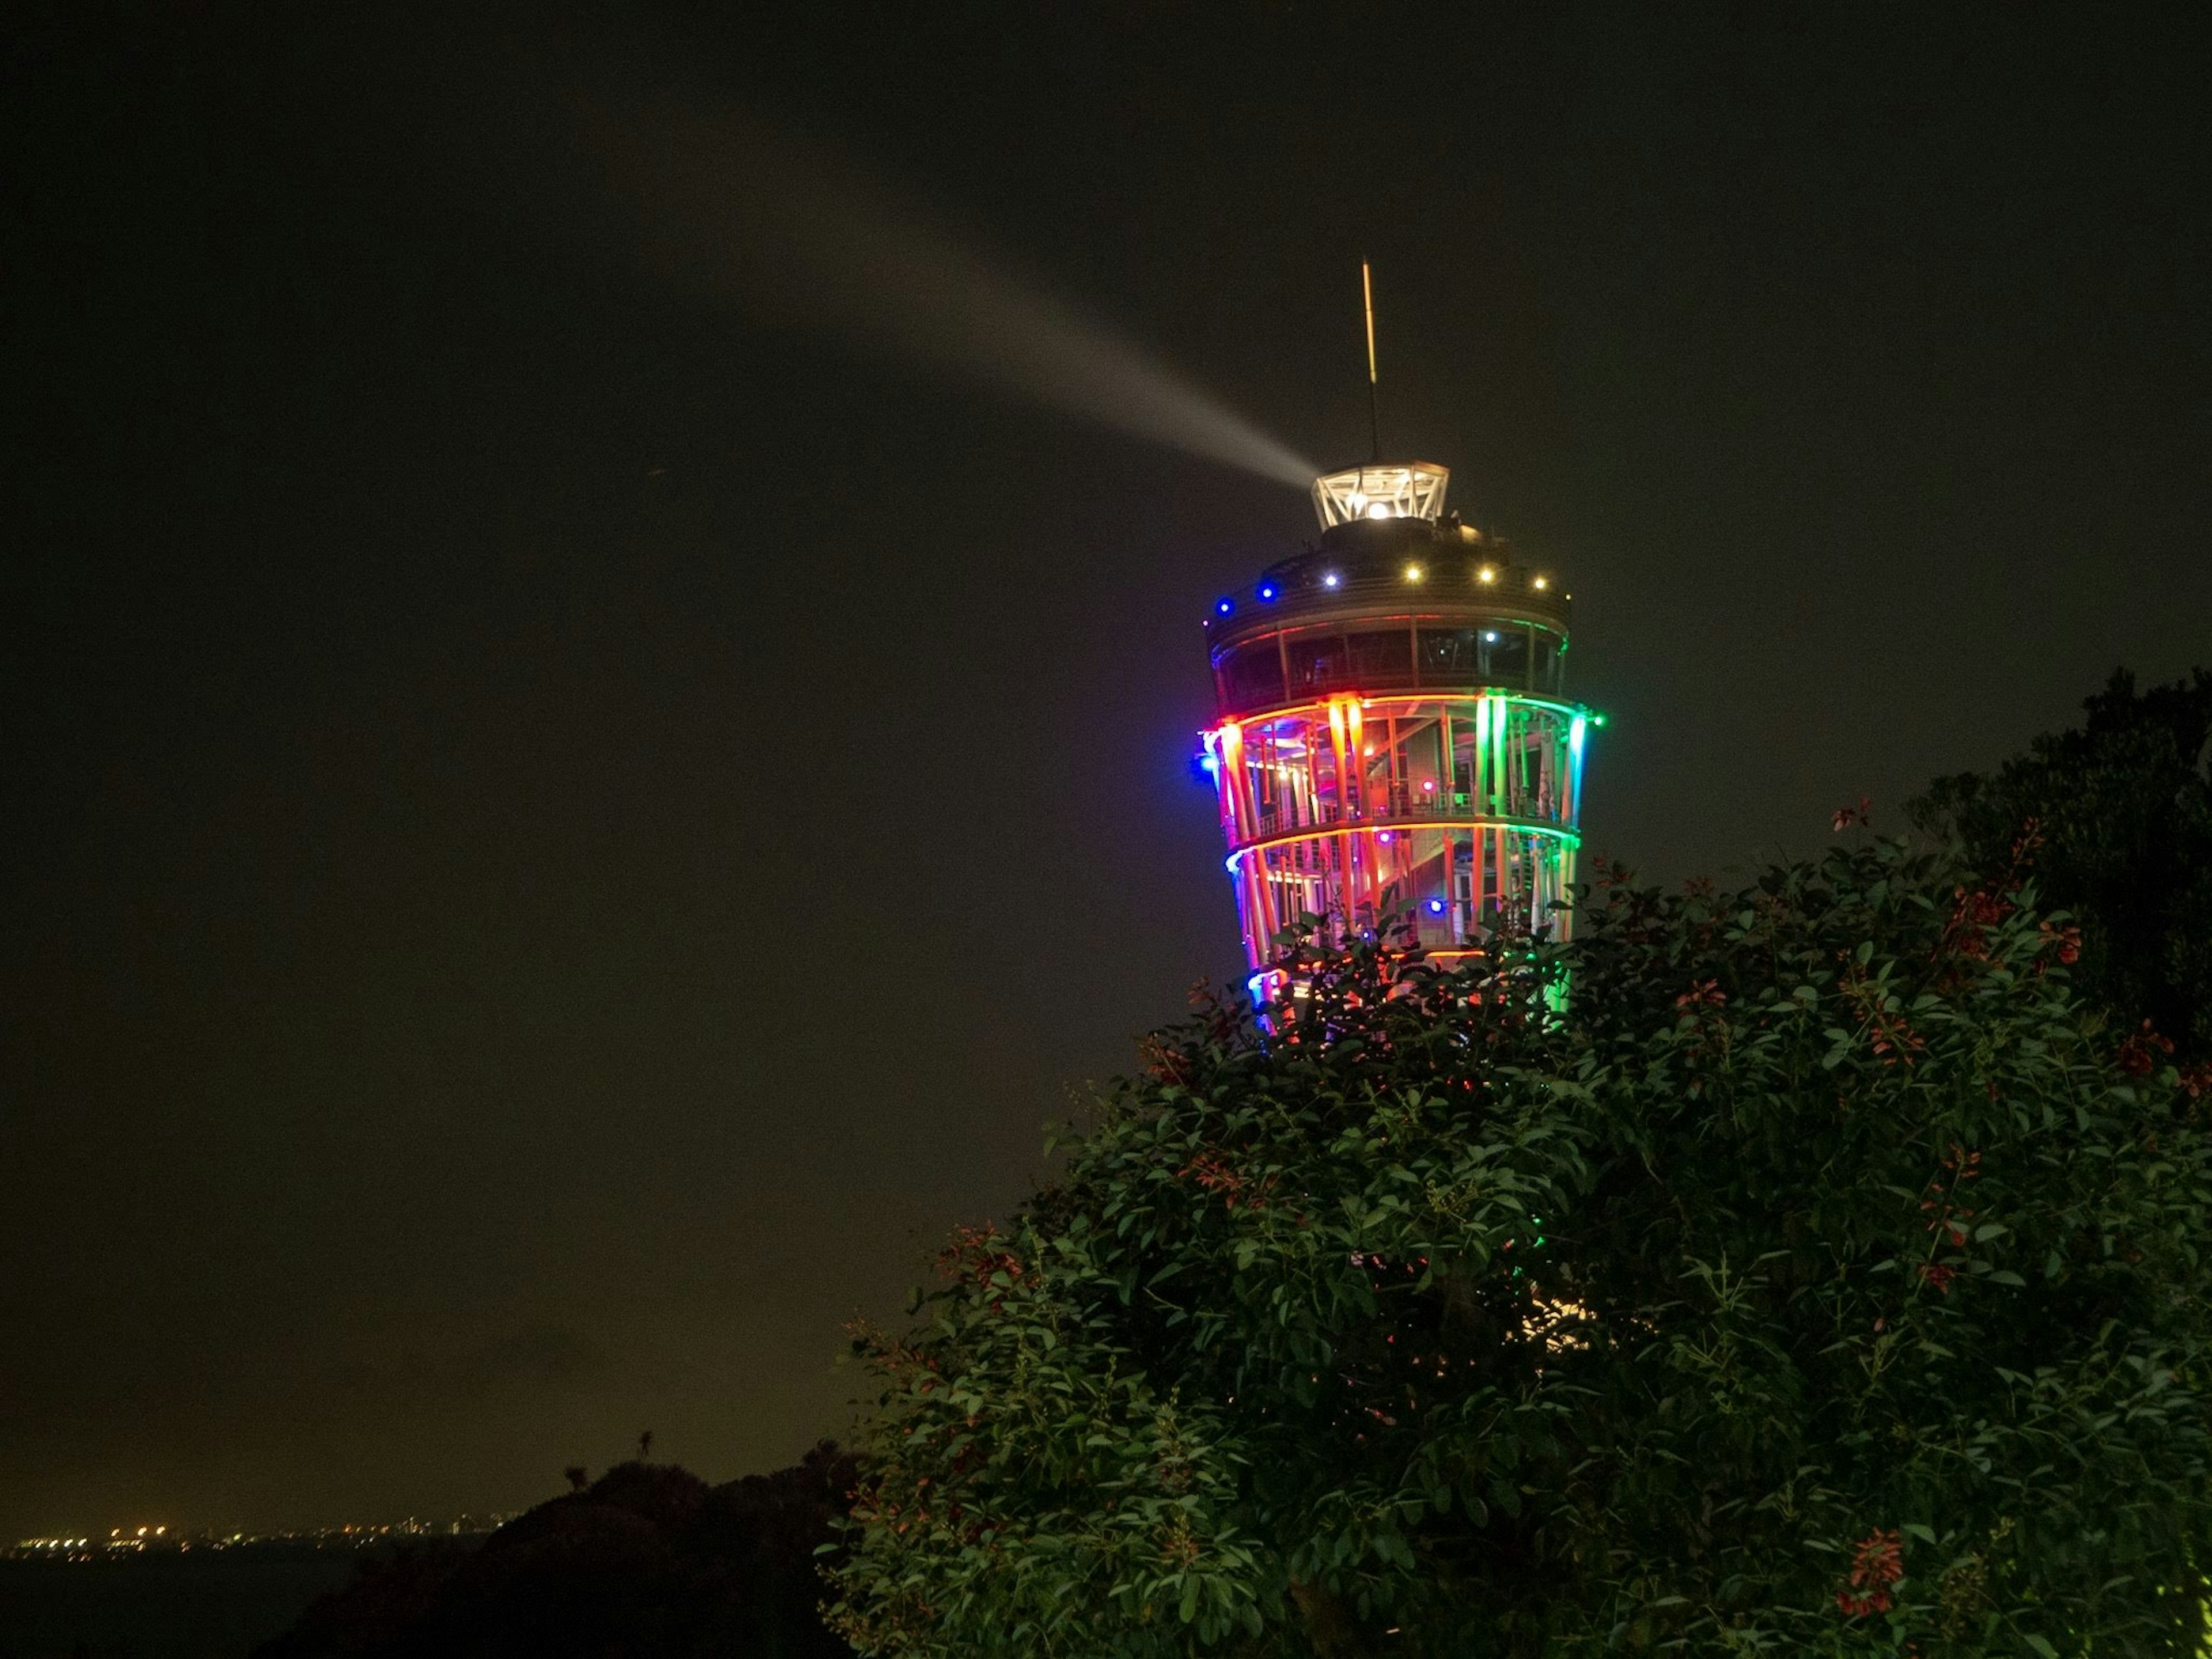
[[1450, 656], [1381, 659], [1252, 676], [1546, 676], [1318, 666], [1505, 654]]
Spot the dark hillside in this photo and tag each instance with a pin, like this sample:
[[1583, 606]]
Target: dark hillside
[[648, 1560]]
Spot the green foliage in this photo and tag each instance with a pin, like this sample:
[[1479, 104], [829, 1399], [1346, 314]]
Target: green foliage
[[1824, 1280], [2114, 821]]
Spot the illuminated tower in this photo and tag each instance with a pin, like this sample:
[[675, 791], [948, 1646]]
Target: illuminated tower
[[1392, 730]]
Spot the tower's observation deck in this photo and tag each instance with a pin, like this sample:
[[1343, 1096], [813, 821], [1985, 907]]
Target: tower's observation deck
[[1393, 733]]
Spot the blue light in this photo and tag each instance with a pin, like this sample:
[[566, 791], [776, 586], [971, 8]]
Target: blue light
[[1330, 580], [1267, 591], [1224, 606], [1436, 906]]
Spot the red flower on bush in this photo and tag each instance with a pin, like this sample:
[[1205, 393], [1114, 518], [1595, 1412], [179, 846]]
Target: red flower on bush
[[1877, 1562], [974, 1257], [1707, 994], [2139, 1053], [2066, 941], [1972, 915], [1216, 1176]]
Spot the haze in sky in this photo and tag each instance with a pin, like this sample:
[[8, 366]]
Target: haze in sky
[[600, 705]]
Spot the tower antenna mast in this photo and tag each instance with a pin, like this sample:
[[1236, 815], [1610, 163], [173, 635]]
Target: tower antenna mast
[[1374, 410]]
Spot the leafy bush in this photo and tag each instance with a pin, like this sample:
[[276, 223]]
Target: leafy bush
[[1825, 1280], [2114, 821]]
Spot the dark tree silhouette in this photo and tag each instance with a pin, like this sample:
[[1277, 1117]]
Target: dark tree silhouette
[[579, 1477], [644, 1561], [2112, 822], [644, 1445]]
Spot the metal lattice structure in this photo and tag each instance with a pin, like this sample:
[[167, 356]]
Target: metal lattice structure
[[1410, 489], [1393, 733]]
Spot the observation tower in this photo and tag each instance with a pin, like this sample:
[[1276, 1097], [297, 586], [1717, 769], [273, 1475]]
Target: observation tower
[[1392, 730]]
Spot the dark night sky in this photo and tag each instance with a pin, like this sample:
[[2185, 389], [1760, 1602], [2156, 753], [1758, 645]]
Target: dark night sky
[[570, 810]]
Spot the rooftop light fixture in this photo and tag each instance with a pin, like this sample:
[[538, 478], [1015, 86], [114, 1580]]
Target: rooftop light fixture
[[1397, 490]]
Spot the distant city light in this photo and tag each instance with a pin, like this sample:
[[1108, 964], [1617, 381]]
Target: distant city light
[[154, 1539]]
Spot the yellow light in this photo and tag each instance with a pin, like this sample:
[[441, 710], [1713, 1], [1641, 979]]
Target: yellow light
[[1413, 573], [1486, 574], [1543, 581], [1380, 510]]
